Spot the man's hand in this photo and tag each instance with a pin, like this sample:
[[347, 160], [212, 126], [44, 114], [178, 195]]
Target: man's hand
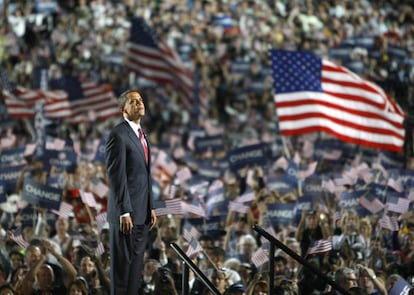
[[153, 219], [126, 225]]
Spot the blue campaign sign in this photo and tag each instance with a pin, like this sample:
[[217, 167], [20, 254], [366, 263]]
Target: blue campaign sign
[[12, 157], [38, 194], [281, 184], [313, 187], [247, 156], [211, 226], [401, 287], [303, 203], [350, 199], [280, 213], [216, 202], [29, 216], [208, 171], [66, 160], [214, 143], [378, 190], [9, 176]]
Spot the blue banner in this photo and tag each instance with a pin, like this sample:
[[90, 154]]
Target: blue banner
[[313, 187], [12, 157], [281, 184], [29, 216], [212, 226], [210, 172], [9, 176], [66, 160], [304, 203], [350, 200], [216, 203], [280, 214], [247, 156], [401, 287], [38, 194], [378, 190], [213, 143]]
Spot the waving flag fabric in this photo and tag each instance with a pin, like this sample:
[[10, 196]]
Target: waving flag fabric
[[320, 246], [314, 95], [153, 59], [172, 206], [98, 103]]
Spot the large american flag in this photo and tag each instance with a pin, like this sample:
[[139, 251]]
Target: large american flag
[[316, 95], [98, 103], [151, 58]]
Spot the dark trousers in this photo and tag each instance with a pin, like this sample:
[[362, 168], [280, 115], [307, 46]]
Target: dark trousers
[[127, 259]]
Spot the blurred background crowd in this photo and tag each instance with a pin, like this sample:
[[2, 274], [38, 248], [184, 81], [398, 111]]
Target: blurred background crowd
[[305, 190]]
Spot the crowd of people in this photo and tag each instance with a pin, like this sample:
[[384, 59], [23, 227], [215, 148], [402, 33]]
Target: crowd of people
[[225, 45]]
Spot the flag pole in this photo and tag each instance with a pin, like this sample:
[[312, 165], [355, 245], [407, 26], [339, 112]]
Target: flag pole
[[285, 148]]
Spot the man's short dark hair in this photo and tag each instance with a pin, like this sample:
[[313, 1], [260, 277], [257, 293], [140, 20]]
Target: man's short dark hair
[[123, 97], [281, 259]]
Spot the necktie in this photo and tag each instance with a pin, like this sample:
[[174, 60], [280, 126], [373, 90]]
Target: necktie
[[144, 143]]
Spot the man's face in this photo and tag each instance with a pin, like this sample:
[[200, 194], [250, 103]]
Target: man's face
[[32, 256], [134, 108], [350, 281]]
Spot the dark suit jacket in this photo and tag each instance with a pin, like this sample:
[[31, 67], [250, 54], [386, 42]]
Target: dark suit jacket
[[129, 176]]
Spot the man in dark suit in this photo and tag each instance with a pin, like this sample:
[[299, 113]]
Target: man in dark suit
[[130, 213]]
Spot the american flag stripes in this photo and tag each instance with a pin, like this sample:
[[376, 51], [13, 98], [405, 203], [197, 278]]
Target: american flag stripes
[[98, 103], [260, 257], [397, 204], [164, 167], [371, 203], [246, 197], [101, 219], [184, 174], [99, 188], [172, 206], [100, 249], [314, 95], [151, 58], [396, 184], [17, 237], [190, 232], [389, 222], [88, 199], [55, 144], [320, 246], [198, 210], [238, 207], [194, 247], [65, 210], [171, 191]]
